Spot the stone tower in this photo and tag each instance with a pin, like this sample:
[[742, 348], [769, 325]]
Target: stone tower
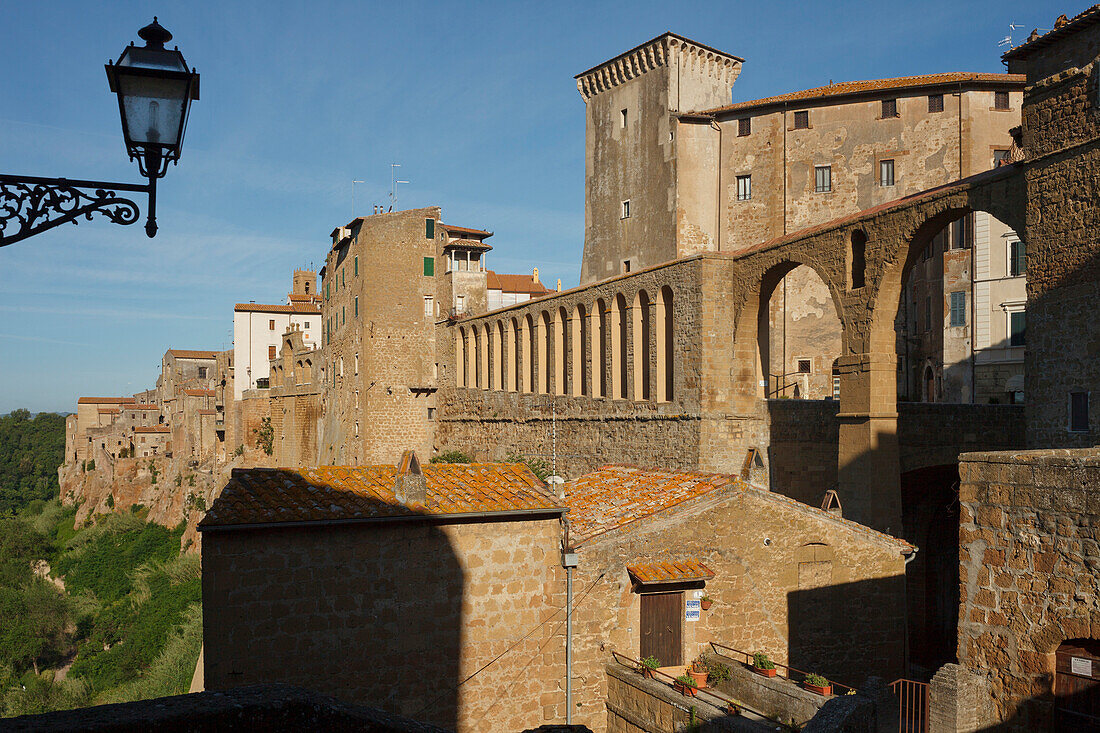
[[305, 282], [632, 102]]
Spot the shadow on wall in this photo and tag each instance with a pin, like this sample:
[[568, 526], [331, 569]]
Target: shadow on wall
[[1078, 712], [369, 612], [846, 631]]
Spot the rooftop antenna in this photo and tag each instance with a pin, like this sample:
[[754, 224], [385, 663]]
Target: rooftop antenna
[[353, 214], [393, 184], [1007, 40]]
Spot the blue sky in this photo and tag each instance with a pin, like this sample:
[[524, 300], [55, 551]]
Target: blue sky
[[477, 102]]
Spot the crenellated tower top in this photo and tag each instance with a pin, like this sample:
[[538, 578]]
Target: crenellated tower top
[[689, 58]]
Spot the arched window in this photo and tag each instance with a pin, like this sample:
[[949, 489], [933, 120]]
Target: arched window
[[460, 358], [578, 352], [544, 353], [475, 367], [600, 343], [665, 341], [514, 348], [619, 329], [561, 318], [642, 341], [486, 358], [529, 349]]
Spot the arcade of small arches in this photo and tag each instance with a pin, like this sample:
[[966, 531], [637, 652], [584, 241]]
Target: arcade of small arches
[[615, 347]]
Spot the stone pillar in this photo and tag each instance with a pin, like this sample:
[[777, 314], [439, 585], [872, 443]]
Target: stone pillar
[[960, 701], [869, 467]]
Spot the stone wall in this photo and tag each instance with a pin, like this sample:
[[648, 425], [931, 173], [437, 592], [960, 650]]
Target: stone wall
[[1028, 580], [639, 705], [396, 615], [785, 576]]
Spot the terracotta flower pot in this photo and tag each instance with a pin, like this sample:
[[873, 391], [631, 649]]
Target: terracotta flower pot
[[699, 677], [705, 605], [647, 673], [733, 709], [764, 672], [825, 690]]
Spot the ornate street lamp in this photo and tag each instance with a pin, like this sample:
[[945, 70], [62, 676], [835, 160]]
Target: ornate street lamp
[[155, 90]]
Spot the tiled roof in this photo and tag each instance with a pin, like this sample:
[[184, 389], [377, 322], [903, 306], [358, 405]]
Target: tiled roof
[[108, 410], [480, 233], [152, 429], [670, 572], [199, 392], [853, 88], [615, 496], [1078, 22], [348, 493], [303, 297], [303, 308], [514, 283], [190, 354], [104, 400]]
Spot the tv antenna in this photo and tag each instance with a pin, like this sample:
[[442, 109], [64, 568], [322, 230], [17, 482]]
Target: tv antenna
[[353, 197], [1007, 40], [393, 184]]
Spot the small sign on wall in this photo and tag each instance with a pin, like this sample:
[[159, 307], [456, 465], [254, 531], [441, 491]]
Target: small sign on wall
[[1077, 665], [691, 610]]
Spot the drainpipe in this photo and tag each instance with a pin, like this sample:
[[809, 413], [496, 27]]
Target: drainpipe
[[718, 197], [568, 561]]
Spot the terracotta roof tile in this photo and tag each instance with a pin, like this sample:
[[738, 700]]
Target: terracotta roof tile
[[152, 429], [199, 392], [304, 308], [615, 496], [326, 493], [104, 400], [466, 230], [108, 411], [670, 572], [191, 354], [852, 88], [1077, 23], [514, 283]]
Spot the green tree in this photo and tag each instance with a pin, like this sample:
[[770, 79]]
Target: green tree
[[31, 449]]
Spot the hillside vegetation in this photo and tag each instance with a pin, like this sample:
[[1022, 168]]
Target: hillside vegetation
[[110, 612]]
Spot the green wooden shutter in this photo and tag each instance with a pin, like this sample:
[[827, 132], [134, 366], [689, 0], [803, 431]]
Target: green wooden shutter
[[429, 265], [429, 228]]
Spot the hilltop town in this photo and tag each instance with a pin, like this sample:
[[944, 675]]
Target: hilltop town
[[791, 416]]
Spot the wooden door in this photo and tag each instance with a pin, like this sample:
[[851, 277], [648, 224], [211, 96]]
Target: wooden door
[[662, 615], [1077, 686]]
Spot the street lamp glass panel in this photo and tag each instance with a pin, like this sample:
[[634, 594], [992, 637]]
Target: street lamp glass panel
[[153, 108]]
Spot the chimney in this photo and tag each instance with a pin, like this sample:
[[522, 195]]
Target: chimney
[[409, 485]]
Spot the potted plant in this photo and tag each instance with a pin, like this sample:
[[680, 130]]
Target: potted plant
[[705, 603], [762, 665], [647, 665], [698, 673], [817, 683], [685, 686], [733, 707]]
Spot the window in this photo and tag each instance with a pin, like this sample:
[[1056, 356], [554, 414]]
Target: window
[[1017, 259], [429, 265], [626, 265], [958, 308], [626, 210], [429, 229], [357, 362], [744, 188], [1000, 157], [343, 314], [356, 428], [927, 253], [431, 413], [271, 325], [1079, 412], [935, 103], [801, 120], [343, 280], [356, 270], [1016, 333], [270, 352], [889, 108], [958, 234], [622, 118], [886, 172], [202, 372], [428, 306], [460, 304], [928, 313], [804, 366], [356, 306], [1000, 100], [744, 127], [307, 324], [823, 178]]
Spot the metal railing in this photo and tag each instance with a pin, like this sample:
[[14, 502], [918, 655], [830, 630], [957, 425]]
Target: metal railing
[[801, 675], [915, 702]]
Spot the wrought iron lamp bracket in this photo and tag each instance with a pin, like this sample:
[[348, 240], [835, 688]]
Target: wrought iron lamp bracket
[[30, 205]]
